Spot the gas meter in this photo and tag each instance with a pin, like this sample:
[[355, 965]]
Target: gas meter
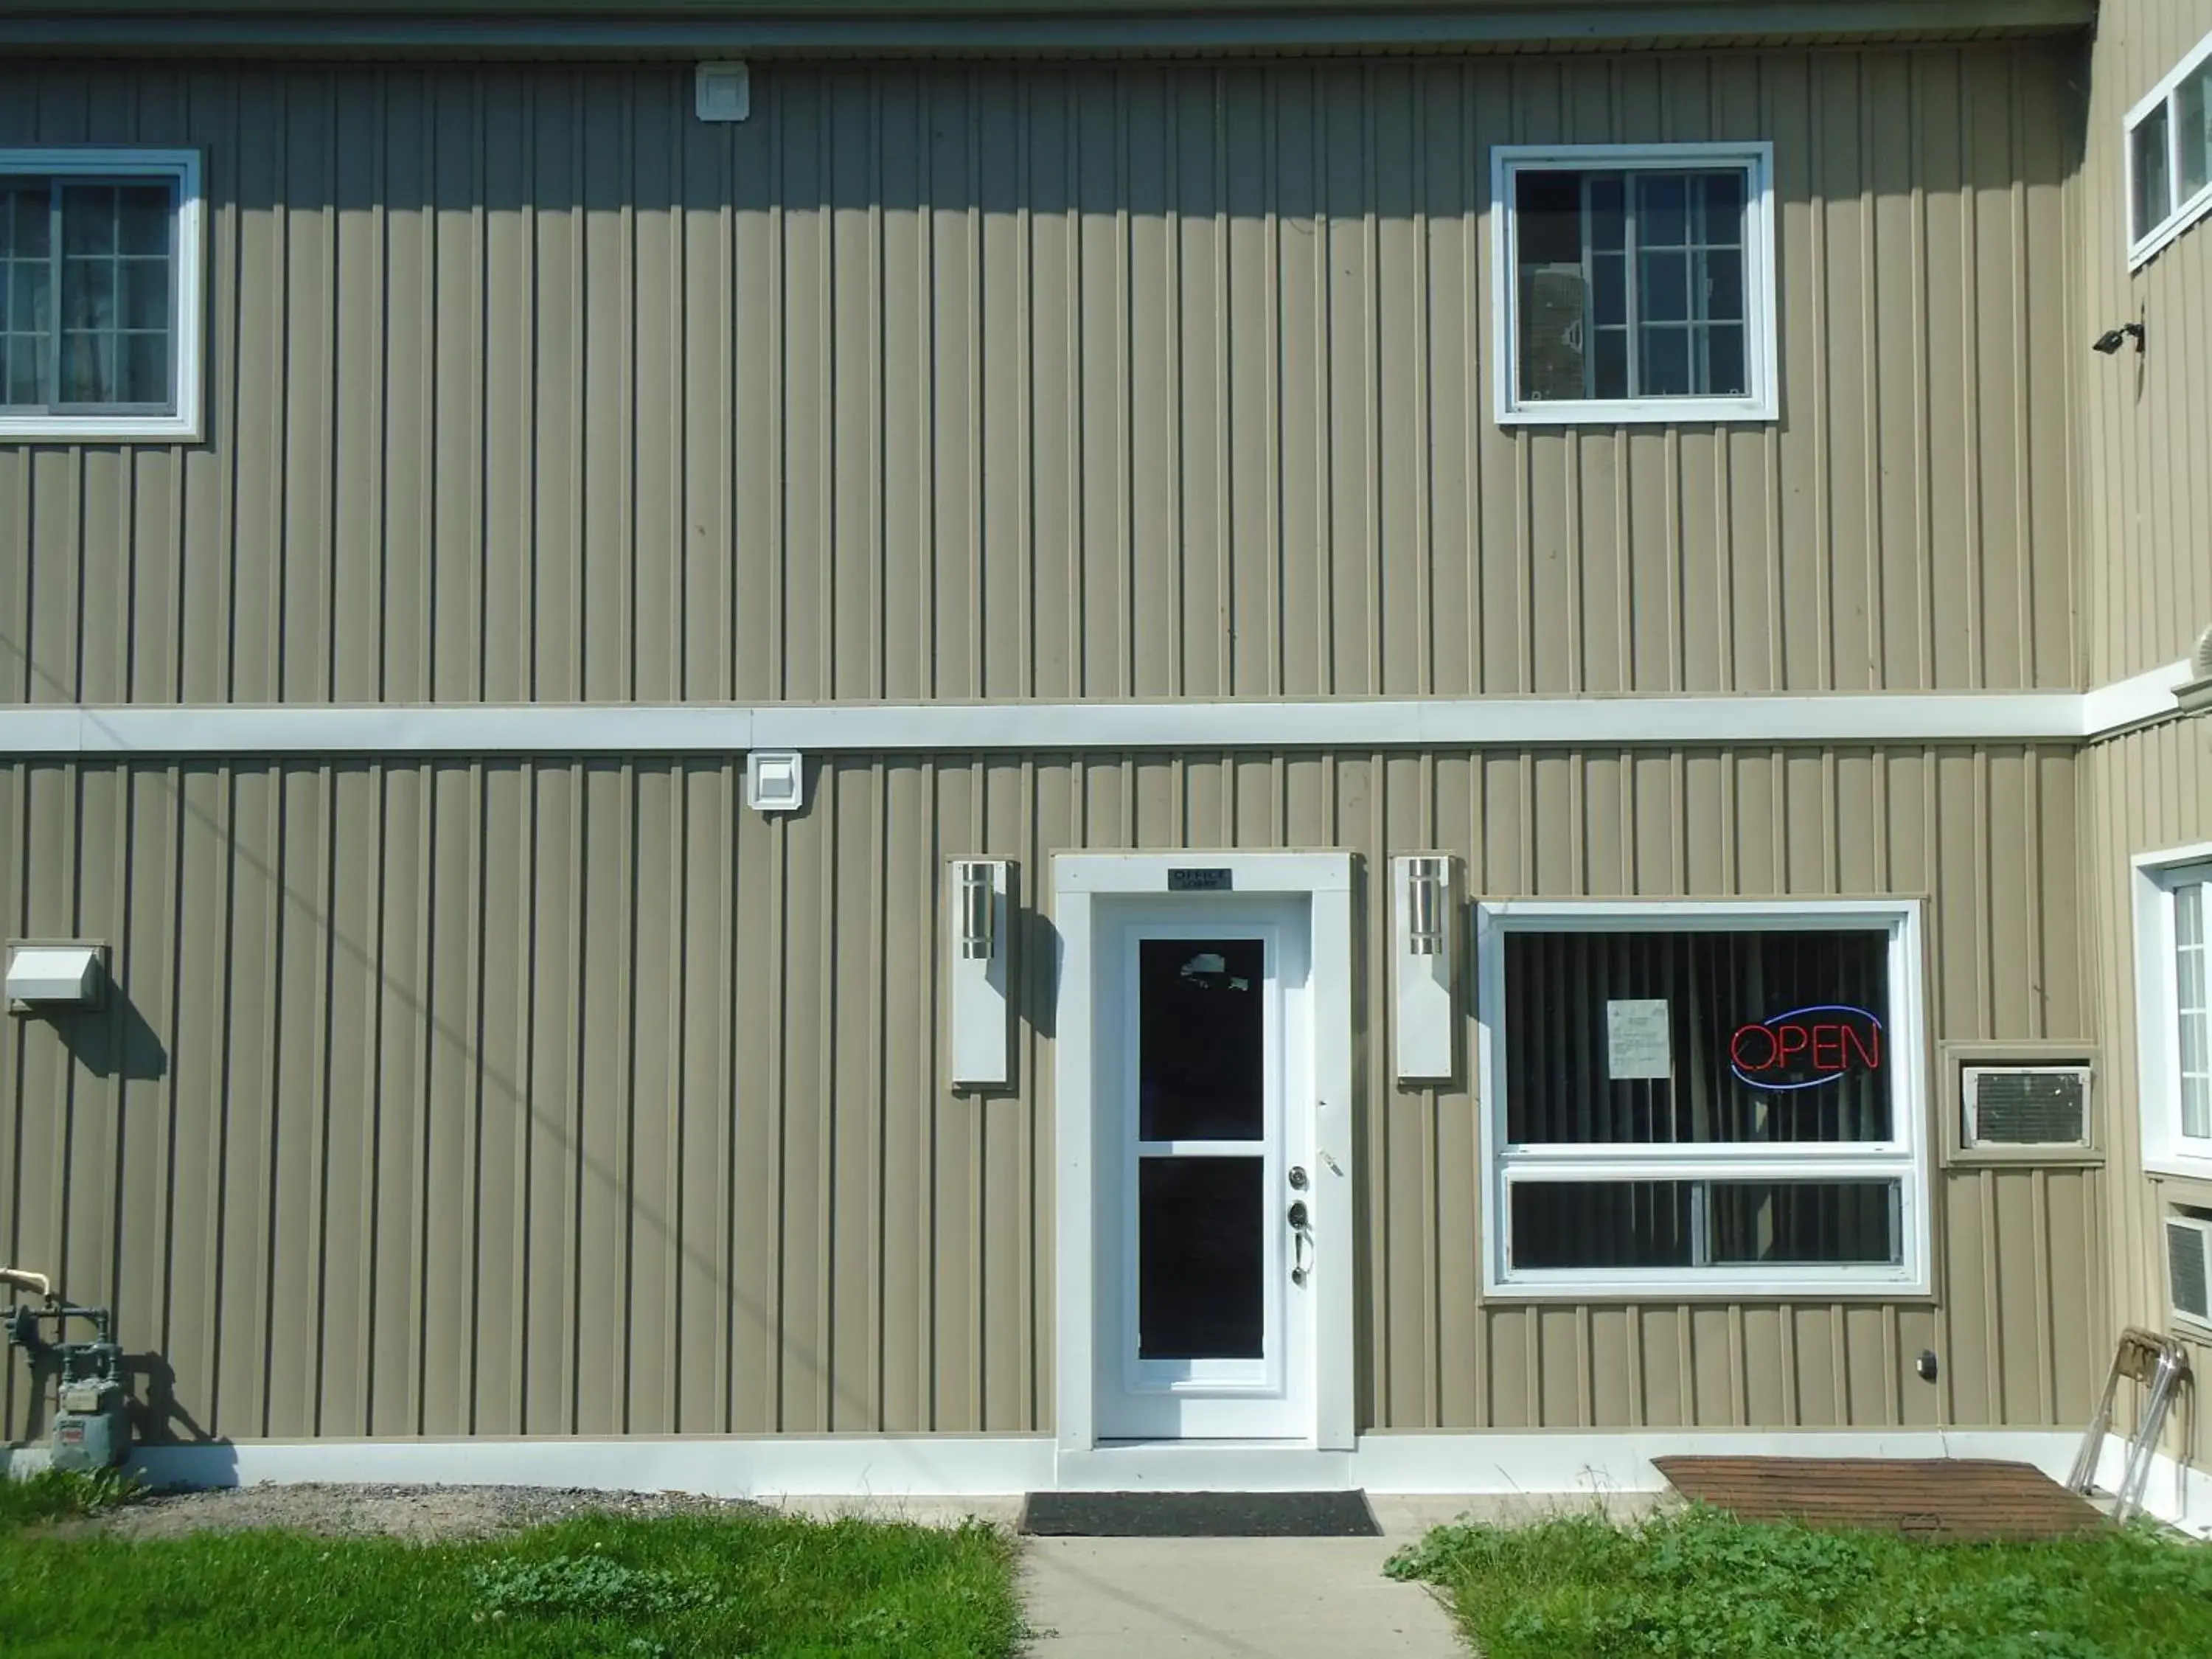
[[91, 1427]]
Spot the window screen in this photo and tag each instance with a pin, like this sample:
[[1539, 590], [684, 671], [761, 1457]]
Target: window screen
[[88, 306], [1631, 284]]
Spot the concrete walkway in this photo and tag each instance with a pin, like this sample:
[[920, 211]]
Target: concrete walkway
[[1236, 1598]]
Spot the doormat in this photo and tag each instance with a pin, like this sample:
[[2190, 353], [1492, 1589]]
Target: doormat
[[1199, 1515], [1946, 1497]]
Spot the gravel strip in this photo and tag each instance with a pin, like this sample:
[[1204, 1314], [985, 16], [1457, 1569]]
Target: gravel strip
[[420, 1513]]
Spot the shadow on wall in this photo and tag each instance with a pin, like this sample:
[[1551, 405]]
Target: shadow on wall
[[114, 1040]]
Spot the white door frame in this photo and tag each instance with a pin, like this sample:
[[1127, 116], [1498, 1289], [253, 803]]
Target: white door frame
[[1077, 879]]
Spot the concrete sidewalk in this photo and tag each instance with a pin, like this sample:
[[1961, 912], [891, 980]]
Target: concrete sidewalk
[[1236, 1598]]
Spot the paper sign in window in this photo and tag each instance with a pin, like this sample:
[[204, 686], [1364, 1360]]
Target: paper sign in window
[[1636, 1043]]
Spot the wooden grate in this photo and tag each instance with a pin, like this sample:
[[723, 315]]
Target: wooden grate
[[1950, 1498]]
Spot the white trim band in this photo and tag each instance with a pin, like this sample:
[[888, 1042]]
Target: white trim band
[[228, 729], [1453, 1463]]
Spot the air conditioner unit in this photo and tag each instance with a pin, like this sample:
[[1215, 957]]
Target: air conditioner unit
[[2026, 1105], [2189, 1265], [1554, 333]]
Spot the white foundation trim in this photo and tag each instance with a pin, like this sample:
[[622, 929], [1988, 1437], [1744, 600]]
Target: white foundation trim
[[1565, 1463], [233, 729], [2178, 1494]]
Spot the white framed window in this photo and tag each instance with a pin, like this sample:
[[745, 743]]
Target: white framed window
[[2174, 1008], [100, 258], [2168, 155], [1704, 1099], [1633, 283]]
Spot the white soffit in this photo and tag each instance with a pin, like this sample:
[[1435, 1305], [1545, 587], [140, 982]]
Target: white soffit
[[230, 730]]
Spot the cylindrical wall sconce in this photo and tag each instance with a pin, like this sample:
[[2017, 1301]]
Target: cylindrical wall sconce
[[980, 1043], [1423, 911]]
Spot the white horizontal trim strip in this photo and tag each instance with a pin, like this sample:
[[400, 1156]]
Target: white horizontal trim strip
[[986, 1466], [2131, 701], [224, 729]]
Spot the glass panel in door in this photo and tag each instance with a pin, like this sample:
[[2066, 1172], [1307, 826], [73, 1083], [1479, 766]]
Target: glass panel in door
[[1202, 1148]]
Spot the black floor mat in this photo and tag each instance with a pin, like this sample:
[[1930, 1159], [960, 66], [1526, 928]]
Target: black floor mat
[[1199, 1515]]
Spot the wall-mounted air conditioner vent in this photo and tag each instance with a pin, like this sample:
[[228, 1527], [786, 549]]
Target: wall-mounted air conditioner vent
[[1552, 331], [2026, 1105], [2189, 1265]]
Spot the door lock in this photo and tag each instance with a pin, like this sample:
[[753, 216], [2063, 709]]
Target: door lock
[[1298, 1177], [1298, 1212], [1301, 1242]]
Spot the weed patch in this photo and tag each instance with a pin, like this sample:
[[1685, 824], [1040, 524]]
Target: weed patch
[[59, 1495], [1699, 1584]]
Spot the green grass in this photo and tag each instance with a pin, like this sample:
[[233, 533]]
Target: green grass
[[1697, 1582], [772, 1586]]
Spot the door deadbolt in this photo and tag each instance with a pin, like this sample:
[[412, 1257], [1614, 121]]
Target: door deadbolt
[[1298, 1177]]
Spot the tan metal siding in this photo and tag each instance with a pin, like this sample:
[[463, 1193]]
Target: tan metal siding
[[501, 1097], [2146, 421], [2148, 791], [945, 381]]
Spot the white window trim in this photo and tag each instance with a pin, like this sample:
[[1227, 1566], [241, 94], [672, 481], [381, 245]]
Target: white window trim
[[189, 344], [1761, 303], [1903, 1158], [2158, 1083], [2185, 214]]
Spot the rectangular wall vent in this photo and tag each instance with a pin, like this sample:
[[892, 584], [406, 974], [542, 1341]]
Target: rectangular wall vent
[[2189, 1265], [2026, 1105]]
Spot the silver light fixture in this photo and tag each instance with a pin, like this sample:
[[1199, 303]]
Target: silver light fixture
[[1427, 881], [1426, 1035], [979, 909], [978, 935]]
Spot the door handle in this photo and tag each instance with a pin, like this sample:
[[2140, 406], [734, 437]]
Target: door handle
[[1300, 1242]]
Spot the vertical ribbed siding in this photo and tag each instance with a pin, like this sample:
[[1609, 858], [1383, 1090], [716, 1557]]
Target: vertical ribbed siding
[[2149, 791], [548, 1097], [2146, 421], [2146, 506], [1090, 381]]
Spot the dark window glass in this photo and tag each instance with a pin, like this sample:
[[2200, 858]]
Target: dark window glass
[[1810, 1222], [87, 318], [2154, 179], [1772, 1036], [1201, 1037], [1201, 1256], [1682, 1223], [1666, 363], [1638, 252], [1591, 1224]]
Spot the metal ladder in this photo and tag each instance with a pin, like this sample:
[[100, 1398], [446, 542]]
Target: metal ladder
[[2144, 1358]]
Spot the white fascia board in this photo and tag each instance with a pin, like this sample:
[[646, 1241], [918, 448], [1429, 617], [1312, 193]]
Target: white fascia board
[[2131, 701], [1602, 722]]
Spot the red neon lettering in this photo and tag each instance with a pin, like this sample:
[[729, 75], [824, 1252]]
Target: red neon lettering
[[1828, 1047], [1868, 1043], [1786, 1046], [1735, 1049]]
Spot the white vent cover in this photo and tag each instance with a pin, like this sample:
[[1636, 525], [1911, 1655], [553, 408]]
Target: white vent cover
[[49, 976], [2201, 662], [724, 92], [2026, 1105], [2189, 1265], [775, 780]]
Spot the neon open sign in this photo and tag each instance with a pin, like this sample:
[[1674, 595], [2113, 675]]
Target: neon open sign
[[1807, 1046]]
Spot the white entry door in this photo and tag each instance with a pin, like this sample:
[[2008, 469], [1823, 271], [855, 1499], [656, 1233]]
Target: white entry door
[[1204, 1283]]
